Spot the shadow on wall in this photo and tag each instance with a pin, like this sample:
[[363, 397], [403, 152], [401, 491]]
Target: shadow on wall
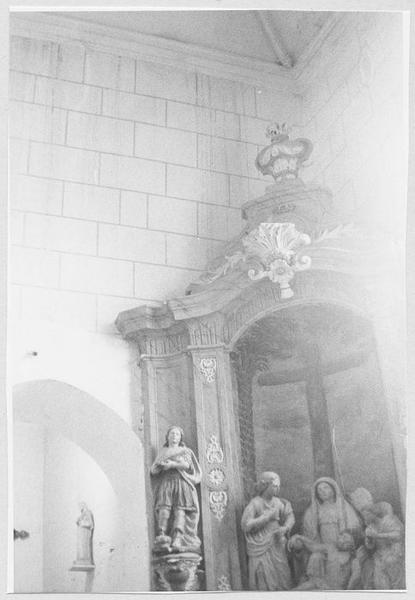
[[65, 436]]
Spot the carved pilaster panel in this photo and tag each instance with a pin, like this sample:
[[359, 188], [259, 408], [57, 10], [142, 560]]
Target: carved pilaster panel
[[218, 457]]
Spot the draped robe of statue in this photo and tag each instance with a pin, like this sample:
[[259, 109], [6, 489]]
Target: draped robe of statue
[[268, 564], [175, 491], [384, 562], [324, 521], [85, 523]]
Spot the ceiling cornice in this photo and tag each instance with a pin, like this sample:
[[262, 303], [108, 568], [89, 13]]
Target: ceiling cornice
[[102, 38]]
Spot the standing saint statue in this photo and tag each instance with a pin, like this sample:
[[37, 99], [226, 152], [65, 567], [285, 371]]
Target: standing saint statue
[[84, 555], [266, 523], [177, 472], [325, 521]]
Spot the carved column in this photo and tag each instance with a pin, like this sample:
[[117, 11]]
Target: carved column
[[220, 489]]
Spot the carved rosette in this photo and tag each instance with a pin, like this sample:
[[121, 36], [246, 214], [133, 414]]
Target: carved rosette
[[207, 368], [216, 477]]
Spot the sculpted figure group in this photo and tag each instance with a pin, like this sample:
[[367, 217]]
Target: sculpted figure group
[[343, 543]]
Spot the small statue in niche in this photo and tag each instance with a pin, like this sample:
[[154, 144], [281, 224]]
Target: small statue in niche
[[177, 512], [382, 555], [84, 554], [266, 523]]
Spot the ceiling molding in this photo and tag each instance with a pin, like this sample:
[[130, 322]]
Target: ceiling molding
[[280, 52], [103, 38], [315, 44]]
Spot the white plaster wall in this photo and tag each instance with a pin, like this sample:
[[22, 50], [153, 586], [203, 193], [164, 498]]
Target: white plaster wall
[[71, 476], [354, 99], [28, 449]]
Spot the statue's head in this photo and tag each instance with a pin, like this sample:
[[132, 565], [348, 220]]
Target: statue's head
[[376, 511], [345, 541], [325, 491], [268, 480], [174, 436]]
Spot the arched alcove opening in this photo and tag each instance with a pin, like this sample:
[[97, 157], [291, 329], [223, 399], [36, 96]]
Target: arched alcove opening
[[310, 402], [100, 444]]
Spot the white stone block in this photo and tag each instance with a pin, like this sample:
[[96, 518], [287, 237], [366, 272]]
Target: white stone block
[[96, 275], [130, 243], [62, 234], [243, 189], [216, 222], [18, 156], [194, 184], [254, 130], [58, 162], [225, 94], [33, 267], [108, 308], [167, 145], [39, 123], [190, 252], [16, 227], [165, 81], [277, 106], [133, 209], [21, 86], [109, 70], [219, 154], [162, 283], [71, 59], [91, 202], [202, 120], [100, 133], [171, 214], [66, 94], [133, 174], [14, 303], [134, 107], [70, 309], [34, 194], [33, 56]]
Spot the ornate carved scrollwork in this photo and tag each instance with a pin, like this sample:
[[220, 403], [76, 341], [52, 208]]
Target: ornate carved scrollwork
[[218, 501], [214, 452], [207, 368]]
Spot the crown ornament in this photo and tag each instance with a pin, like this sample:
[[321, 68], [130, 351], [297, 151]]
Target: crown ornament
[[283, 158]]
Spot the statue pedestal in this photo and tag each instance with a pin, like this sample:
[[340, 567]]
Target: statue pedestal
[[79, 566], [177, 572]]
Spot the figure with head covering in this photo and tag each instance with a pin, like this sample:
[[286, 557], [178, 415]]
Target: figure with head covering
[[325, 520], [177, 472], [86, 525], [266, 523], [382, 557]]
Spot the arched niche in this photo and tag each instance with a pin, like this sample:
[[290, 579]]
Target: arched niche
[[107, 439], [294, 253]]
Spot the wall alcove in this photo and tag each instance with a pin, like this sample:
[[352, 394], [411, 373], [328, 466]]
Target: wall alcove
[[280, 344]]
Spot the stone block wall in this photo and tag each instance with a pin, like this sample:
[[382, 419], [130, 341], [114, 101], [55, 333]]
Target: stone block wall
[[126, 177], [353, 94]]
